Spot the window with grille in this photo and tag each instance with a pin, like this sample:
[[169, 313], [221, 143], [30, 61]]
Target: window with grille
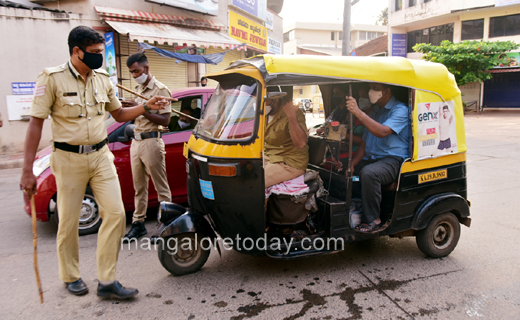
[[434, 35], [504, 26], [398, 5], [472, 29]]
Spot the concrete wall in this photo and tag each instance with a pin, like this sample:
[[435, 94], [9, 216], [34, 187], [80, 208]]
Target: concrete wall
[[33, 40], [86, 7]]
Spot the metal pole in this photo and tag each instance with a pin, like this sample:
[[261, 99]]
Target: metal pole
[[347, 13], [345, 48]]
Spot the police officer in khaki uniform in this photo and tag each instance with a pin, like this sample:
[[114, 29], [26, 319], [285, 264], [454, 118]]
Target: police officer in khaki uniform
[[147, 151], [76, 95]]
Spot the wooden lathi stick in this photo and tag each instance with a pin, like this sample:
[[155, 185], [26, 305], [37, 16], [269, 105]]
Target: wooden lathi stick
[[145, 98], [35, 245]]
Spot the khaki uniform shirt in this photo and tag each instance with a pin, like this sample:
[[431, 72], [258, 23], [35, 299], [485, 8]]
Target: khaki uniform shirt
[[153, 88], [279, 146], [76, 106]]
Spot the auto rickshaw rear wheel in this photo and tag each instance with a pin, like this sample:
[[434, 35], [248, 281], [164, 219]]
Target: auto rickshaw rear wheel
[[440, 237], [183, 254]]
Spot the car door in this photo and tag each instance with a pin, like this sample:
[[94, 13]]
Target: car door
[[119, 143], [174, 143]]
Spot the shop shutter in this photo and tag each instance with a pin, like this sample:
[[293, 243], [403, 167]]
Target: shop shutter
[[502, 91], [173, 75]]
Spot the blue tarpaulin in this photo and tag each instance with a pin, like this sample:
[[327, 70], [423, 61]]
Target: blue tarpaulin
[[214, 58]]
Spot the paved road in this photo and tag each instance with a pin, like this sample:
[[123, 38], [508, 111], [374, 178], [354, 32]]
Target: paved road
[[378, 279]]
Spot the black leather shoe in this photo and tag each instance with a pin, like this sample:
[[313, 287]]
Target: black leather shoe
[[136, 231], [115, 290], [77, 287]]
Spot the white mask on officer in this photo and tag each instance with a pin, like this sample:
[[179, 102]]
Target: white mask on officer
[[142, 78], [374, 95], [364, 103], [182, 124]]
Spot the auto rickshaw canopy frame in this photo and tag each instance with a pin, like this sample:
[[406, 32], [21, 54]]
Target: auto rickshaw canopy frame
[[431, 81]]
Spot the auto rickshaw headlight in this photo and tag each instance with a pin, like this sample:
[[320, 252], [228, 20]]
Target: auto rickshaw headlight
[[169, 211], [226, 170]]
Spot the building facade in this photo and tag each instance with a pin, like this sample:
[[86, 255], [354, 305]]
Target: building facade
[[432, 21], [39, 40], [326, 38]]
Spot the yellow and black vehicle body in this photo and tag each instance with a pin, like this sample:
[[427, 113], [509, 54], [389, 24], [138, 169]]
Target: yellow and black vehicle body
[[225, 165]]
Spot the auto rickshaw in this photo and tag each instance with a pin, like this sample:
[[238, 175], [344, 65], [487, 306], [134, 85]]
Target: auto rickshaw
[[226, 177]]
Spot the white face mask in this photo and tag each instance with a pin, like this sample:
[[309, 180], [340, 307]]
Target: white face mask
[[364, 103], [374, 95], [142, 78], [183, 125], [268, 109]]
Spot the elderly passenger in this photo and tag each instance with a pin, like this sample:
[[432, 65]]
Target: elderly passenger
[[286, 153]]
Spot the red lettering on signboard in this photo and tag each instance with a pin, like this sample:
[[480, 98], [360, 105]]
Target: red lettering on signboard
[[430, 131]]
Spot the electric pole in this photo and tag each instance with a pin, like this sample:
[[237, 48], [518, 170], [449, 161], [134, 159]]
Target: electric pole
[[345, 47]]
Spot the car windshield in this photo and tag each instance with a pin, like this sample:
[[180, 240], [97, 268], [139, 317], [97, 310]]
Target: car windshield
[[230, 113]]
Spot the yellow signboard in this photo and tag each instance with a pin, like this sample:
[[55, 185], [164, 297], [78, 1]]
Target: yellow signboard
[[245, 30], [432, 176]]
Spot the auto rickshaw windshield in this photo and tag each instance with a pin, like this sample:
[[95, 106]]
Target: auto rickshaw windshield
[[230, 113]]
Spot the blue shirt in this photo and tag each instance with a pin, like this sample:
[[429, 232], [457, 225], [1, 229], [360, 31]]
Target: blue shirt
[[395, 116]]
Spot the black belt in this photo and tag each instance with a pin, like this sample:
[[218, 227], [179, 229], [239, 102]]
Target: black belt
[[146, 135], [80, 149]]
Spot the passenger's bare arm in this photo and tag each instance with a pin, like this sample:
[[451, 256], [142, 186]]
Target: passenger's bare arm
[[32, 140], [298, 135]]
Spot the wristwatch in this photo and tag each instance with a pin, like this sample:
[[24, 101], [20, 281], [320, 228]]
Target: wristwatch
[[146, 107]]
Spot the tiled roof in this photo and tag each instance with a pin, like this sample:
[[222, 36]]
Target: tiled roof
[[378, 45]]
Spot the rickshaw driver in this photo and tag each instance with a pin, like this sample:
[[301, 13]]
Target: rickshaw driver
[[286, 153], [379, 157]]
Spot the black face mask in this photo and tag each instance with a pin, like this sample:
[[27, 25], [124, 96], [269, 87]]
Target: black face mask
[[337, 101], [92, 60]]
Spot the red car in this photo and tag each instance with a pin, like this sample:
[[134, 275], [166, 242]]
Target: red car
[[119, 141]]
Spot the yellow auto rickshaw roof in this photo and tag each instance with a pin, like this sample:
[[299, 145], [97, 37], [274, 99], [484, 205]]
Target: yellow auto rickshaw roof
[[417, 74]]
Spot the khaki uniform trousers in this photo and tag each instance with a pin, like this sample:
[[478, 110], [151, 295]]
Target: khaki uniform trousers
[[73, 172], [148, 159], [279, 172]]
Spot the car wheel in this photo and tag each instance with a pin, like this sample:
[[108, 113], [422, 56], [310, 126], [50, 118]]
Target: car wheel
[[307, 105], [183, 254], [440, 237], [89, 217]]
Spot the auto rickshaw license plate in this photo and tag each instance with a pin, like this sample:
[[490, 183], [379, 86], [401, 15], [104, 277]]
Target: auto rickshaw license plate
[[432, 176]]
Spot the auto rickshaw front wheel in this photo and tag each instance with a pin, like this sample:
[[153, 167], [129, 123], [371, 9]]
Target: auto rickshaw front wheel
[[183, 254], [440, 237]]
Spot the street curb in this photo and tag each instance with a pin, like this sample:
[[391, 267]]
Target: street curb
[[11, 164]]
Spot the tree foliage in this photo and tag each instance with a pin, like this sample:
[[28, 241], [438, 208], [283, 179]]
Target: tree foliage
[[383, 17], [468, 60]]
